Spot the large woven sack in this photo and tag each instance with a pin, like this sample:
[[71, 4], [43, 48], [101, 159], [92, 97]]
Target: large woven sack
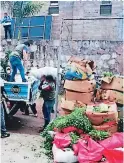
[[97, 118], [38, 73], [85, 98], [80, 86], [116, 83]]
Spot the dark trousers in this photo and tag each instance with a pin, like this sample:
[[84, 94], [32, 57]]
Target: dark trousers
[[33, 108], [7, 30], [3, 126], [47, 110]]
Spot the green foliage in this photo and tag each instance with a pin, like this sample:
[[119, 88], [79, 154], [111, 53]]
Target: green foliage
[[26, 8], [99, 135], [77, 119], [107, 74], [21, 9], [4, 61]]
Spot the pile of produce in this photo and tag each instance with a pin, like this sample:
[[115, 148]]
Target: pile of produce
[[76, 124]]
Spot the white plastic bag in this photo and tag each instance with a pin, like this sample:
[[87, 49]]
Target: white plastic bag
[[66, 156]]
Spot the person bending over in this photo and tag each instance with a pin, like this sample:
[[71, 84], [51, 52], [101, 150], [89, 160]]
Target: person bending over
[[16, 57], [47, 87]]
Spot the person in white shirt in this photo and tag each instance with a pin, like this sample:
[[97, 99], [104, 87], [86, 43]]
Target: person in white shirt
[[7, 21]]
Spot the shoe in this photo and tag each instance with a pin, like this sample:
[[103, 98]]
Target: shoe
[[5, 135], [35, 115], [42, 129], [25, 114]]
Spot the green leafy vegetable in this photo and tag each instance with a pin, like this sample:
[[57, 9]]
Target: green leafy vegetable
[[98, 135]]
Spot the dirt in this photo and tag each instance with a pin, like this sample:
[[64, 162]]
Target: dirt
[[25, 144], [24, 148]]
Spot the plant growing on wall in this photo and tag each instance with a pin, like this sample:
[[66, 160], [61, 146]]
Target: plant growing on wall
[[21, 9]]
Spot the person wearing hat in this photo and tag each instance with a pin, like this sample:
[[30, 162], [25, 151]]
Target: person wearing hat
[[16, 57]]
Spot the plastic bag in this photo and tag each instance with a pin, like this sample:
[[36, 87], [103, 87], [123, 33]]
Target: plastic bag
[[65, 156], [62, 140], [75, 74], [115, 141], [113, 156], [89, 151]]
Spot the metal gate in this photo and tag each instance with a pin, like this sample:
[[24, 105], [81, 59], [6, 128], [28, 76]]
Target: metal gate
[[35, 27]]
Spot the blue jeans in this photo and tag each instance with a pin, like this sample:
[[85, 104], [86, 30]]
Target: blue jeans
[[17, 65], [47, 109], [3, 126]]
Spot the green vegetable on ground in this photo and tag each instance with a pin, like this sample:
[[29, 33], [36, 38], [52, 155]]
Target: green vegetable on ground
[[98, 135], [77, 119]]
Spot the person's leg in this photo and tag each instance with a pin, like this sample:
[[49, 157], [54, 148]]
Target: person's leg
[[3, 126], [14, 69], [26, 110], [5, 29], [50, 105], [45, 113], [33, 108], [21, 69], [10, 31]]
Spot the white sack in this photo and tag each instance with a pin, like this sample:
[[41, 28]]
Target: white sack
[[38, 73], [66, 156]]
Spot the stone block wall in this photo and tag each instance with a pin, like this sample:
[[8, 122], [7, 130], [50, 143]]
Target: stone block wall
[[108, 55], [94, 37]]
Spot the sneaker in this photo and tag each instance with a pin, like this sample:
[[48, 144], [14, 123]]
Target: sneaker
[[5, 135]]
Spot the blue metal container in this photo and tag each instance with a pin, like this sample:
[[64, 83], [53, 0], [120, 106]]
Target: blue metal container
[[27, 92]]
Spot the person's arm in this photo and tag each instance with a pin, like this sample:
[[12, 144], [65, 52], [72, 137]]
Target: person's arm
[[3, 92], [48, 86], [25, 55], [9, 19], [3, 20]]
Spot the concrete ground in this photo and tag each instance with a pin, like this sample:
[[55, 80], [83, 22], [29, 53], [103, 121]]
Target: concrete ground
[[25, 144]]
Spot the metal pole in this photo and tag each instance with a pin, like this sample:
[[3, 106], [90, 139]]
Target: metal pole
[[57, 83], [58, 73]]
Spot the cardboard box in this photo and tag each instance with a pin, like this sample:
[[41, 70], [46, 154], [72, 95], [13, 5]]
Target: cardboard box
[[106, 127], [97, 118], [68, 105], [113, 83], [80, 86], [85, 98], [116, 96], [83, 62], [111, 95]]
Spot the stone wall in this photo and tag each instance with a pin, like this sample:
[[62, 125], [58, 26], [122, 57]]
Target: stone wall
[[94, 37], [108, 55]]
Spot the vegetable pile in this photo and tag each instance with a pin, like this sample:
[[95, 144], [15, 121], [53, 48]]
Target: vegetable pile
[[77, 119], [107, 74], [102, 108]]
